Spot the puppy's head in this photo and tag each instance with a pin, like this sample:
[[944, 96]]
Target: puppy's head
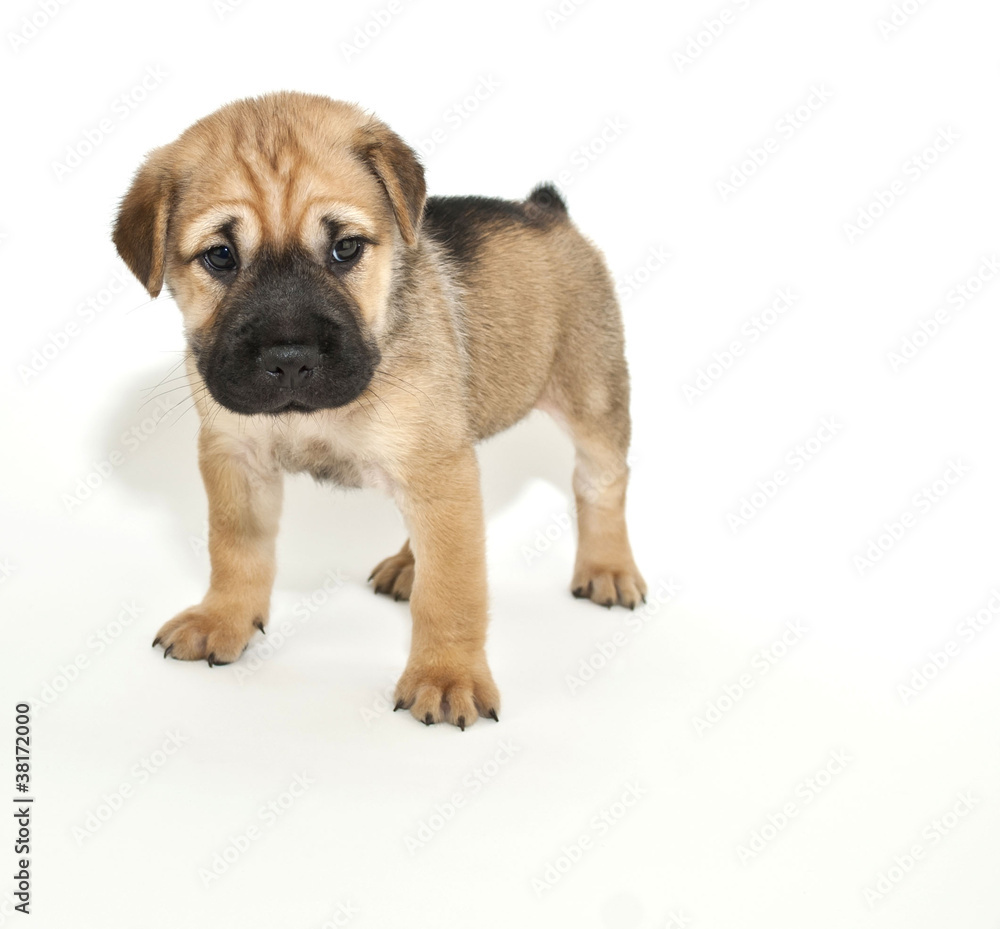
[[276, 223]]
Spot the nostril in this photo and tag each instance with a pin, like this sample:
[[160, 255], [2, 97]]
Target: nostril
[[290, 365]]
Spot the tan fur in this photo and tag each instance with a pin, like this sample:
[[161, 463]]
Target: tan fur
[[469, 344]]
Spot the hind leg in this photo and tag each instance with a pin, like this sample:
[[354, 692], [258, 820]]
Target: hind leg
[[394, 575], [605, 570]]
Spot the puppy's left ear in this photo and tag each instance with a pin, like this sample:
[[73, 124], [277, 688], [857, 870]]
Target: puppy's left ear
[[140, 233], [396, 165]]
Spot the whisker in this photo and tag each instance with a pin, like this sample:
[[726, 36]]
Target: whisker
[[357, 400], [163, 393], [386, 405], [140, 306], [401, 381], [165, 376], [166, 380]]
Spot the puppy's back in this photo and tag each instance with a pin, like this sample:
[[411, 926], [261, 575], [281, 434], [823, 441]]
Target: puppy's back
[[532, 286]]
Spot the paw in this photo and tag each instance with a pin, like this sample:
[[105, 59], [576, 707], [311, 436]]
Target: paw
[[394, 576], [609, 585], [217, 636], [457, 691]]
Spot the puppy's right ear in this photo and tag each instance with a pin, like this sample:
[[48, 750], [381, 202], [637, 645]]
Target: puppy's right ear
[[141, 227]]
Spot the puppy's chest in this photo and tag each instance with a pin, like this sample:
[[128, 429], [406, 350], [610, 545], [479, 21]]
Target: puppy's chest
[[328, 458], [318, 458]]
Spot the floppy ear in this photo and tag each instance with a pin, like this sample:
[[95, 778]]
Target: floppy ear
[[141, 227], [396, 165]]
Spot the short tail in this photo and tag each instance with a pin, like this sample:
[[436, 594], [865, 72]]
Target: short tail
[[547, 197]]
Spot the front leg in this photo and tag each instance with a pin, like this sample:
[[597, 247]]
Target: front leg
[[447, 677], [244, 503]]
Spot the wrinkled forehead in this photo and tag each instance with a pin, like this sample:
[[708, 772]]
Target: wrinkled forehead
[[284, 194]]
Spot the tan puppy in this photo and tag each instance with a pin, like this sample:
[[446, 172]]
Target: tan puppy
[[339, 323]]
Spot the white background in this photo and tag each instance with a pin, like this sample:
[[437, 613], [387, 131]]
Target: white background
[[881, 837]]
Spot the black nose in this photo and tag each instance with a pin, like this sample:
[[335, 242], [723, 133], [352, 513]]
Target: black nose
[[290, 365]]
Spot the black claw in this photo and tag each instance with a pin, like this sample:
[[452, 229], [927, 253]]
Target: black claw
[[579, 593], [398, 706], [461, 723], [211, 659], [609, 603], [643, 598], [493, 715], [631, 606], [167, 651], [428, 720], [370, 576], [259, 623], [156, 641], [397, 597]]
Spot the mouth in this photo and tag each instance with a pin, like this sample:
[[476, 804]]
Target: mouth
[[236, 398], [294, 406]]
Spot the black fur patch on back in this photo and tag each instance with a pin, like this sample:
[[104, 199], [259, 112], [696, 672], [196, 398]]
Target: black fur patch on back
[[547, 196], [461, 223]]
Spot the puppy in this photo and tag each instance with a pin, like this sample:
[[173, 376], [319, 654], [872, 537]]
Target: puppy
[[340, 323]]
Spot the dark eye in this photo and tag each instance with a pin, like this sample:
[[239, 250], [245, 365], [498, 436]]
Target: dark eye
[[220, 258], [347, 249]]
